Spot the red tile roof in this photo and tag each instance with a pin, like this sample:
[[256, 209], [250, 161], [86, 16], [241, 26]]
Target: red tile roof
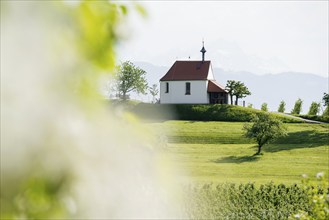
[[187, 70], [213, 86]]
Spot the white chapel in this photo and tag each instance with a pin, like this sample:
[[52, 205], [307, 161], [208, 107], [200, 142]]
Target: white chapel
[[192, 82]]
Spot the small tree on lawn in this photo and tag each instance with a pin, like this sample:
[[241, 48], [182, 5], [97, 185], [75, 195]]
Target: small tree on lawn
[[154, 91], [314, 108], [282, 107], [264, 107], [130, 78], [264, 129], [298, 107]]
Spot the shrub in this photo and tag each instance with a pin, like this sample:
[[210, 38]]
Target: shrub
[[245, 201], [264, 107], [318, 199]]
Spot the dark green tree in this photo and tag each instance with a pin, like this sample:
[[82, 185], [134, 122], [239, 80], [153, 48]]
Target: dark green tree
[[237, 89], [314, 108], [230, 87], [240, 91], [297, 107], [130, 78], [282, 107], [263, 129]]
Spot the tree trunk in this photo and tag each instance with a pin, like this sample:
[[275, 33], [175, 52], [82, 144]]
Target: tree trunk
[[124, 96], [259, 150], [236, 100], [231, 97]]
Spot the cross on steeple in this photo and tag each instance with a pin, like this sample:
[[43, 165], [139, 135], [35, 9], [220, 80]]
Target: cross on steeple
[[203, 51]]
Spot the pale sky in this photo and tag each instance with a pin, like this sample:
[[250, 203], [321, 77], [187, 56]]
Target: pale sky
[[258, 36]]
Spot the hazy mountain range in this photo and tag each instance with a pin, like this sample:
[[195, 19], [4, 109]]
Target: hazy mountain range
[[269, 88]]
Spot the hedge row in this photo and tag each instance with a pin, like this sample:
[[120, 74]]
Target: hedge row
[[201, 112], [315, 118], [246, 201]]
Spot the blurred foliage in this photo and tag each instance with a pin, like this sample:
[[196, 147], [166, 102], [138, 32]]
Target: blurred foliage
[[88, 31], [318, 198]]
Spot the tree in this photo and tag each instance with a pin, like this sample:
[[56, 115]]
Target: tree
[[326, 111], [130, 78], [264, 107], [326, 104], [240, 91], [249, 105], [264, 129], [325, 99], [230, 87], [314, 108], [282, 107], [298, 107], [237, 89], [154, 91]]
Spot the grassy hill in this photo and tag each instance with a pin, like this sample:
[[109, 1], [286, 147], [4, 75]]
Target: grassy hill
[[218, 152], [199, 112]]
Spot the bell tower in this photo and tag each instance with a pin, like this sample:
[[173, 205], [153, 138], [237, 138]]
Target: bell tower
[[203, 51]]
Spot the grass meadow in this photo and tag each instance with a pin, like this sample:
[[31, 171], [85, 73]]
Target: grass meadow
[[217, 152]]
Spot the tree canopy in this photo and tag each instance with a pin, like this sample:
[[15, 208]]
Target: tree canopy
[[264, 129], [314, 108], [297, 107], [325, 99], [282, 107], [237, 89], [264, 107], [130, 78]]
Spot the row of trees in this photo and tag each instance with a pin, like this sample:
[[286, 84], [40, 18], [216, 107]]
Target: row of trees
[[313, 110]]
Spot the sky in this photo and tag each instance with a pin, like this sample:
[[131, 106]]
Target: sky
[[256, 36]]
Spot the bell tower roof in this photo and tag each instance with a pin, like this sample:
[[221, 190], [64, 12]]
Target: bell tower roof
[[203, 51]]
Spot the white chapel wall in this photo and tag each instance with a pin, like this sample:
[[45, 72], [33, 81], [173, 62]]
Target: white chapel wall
[[176, 94], [210, 73]]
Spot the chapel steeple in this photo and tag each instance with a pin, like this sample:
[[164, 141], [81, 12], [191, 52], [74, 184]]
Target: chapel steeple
[[203, 51]]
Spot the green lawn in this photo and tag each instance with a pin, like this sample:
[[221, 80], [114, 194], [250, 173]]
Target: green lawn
[[218, 152]]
